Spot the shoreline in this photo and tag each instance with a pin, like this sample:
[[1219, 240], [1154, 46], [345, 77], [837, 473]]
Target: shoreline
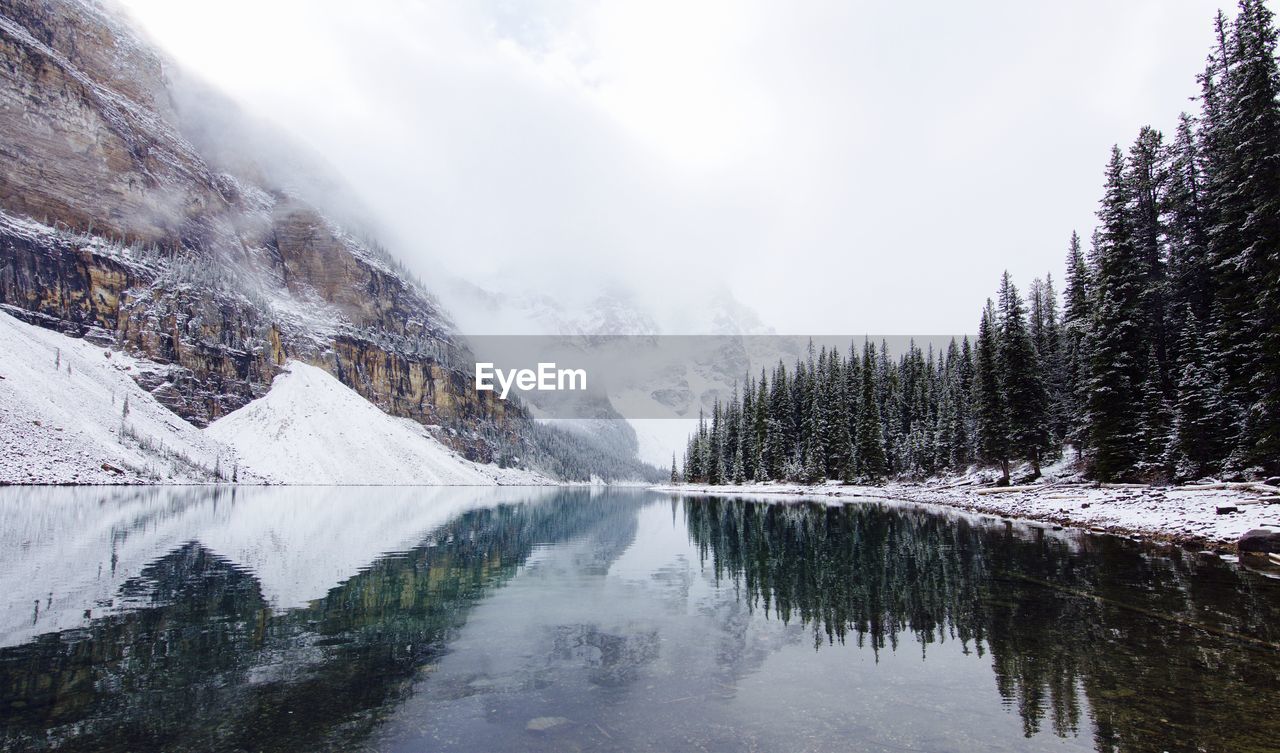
[[1183, 516]]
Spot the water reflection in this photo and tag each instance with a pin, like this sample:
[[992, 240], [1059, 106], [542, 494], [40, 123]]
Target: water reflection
[[301, 620], [1169, 651]]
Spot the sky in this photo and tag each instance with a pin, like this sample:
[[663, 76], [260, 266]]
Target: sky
[[841, 167]]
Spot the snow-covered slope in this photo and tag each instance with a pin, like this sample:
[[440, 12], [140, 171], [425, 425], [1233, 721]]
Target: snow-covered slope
[[63, 417], [63, 420], [312, 429]]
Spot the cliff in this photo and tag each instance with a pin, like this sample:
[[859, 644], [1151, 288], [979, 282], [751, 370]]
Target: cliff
[[122, 222]]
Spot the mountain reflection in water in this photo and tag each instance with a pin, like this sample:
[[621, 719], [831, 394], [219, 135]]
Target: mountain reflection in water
[[198, 619]]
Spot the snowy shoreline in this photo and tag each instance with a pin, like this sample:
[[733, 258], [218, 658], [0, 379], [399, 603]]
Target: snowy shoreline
[[1187, 516]]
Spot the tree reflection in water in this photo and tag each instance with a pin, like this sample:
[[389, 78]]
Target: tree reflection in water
[[1167, 650]]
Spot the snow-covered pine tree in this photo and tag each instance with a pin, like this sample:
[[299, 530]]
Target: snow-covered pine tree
[[732, 422], [694, 468], [835, 416], [889, 387], [964, 401], [1146, 173], [853, 404], [1155, 422], [1116, 338], [780, 427], [990, 408], [1198, 418], [1188, 272], [1049, 350], [763, 451], [715, 445], [1254, 121], [944, 427], [1076, 321], [1023, 386], [747, 429], [872, 463], [1240, 130], [958, 362]]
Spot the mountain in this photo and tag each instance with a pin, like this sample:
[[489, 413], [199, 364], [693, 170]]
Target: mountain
[[658, 378], [143, 215]]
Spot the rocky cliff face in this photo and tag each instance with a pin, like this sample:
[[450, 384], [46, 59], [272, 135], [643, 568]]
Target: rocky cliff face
[[116, 226]]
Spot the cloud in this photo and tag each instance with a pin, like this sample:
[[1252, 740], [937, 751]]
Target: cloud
[[843, 166]]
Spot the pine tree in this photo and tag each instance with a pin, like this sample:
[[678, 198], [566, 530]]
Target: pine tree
[[1154, 424], [1255, 120], [957, 404], [1116, 337], [1076, 321], [1198, 420], [780, 430], [694, 470], [715, 464], [1146, 174], [1047, 336], [834, 404], [965, 401], [747, 430], [853, 372], [990, 408], [1188, 273], [1241, 146], [889, 393], [945, 426], [763, 451], [870, 453], [1024, 393], [675, 474]]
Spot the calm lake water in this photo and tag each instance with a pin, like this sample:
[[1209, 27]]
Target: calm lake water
[[609, 620]]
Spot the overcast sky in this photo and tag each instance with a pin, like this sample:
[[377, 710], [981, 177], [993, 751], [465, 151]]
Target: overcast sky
[[844, 167]]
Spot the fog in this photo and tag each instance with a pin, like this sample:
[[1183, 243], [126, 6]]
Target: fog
[[839, 166]]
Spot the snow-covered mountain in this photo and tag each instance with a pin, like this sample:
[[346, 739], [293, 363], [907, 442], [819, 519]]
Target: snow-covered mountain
[[129, 219], [144, 214]]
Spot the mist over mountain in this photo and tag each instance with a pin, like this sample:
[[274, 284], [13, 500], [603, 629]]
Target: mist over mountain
[[142, 211]]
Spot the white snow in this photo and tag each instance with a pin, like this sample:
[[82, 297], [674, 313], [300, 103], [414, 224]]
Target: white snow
[[62, 421], [1171, 513], [312, 429], [62, 417]]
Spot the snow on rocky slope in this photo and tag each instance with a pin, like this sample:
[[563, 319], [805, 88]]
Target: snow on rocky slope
[[63, 417], [312, 429], [63, 421]]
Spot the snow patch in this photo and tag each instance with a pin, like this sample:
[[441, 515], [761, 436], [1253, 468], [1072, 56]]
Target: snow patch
[[63, 417], [312, 429]]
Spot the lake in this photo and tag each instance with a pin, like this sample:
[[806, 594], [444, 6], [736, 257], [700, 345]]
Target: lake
[[586, 619]]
